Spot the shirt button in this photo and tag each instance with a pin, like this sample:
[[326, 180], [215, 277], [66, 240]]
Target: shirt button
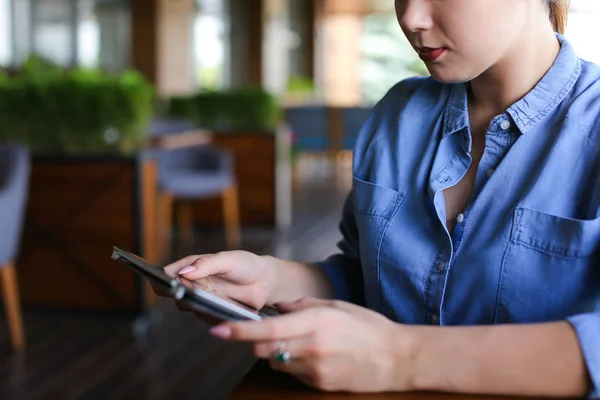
[[433, 319], [460, 218], [490, 172], [504, 125], [441, 266]]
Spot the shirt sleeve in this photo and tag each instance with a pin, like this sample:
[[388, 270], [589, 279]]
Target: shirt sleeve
[[587, 327], [344, 270]]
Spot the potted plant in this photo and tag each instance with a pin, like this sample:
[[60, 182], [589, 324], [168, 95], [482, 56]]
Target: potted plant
[[91, 186], [75, 111]]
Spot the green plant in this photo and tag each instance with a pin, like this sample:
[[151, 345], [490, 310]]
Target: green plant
[[53, 110], [300, 85], [243, 109]]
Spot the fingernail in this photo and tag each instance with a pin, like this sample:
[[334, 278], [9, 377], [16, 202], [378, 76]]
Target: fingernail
[[221, 331], [186, 270]]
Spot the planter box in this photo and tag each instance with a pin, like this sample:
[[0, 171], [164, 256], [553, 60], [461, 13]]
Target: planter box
[[78, 208]]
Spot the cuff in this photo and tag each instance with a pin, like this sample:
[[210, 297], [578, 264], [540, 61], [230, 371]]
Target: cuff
[[346, 286]]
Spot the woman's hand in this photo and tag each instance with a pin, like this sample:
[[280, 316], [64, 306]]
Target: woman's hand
[[239, 275], [334, 346]]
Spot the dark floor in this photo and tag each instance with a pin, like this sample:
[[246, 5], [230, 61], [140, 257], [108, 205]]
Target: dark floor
[[85, 357]]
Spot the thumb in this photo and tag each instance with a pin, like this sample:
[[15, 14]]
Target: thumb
[[195, 267], [205, 266]]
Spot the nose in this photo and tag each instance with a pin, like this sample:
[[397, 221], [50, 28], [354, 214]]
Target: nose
[[414, 15]]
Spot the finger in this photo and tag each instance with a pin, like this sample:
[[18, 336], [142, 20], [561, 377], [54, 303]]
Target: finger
[[301, 348], [311, 302], [286, 326], [202, 284], [205, 266], [294, 367], [172, 269]]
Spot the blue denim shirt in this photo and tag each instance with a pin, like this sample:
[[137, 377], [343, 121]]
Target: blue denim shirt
[[527, 247]]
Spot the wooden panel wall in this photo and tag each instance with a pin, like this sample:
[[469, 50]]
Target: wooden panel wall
[[77, 211]]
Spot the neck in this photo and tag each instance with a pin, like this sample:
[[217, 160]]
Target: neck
[[509, 80]]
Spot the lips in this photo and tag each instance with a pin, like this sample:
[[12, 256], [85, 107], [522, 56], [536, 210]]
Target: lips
[[429, 54]]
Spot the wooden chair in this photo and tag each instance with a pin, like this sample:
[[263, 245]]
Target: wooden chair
[[192, 173], [14, 184]]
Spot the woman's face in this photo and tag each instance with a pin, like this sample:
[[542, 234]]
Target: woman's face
[[461, 39]]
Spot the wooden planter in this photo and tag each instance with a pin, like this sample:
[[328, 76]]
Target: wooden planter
[[78, 209]]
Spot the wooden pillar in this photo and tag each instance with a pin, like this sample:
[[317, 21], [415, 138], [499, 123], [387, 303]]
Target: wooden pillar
[[144, 38], [341, 30], [255, 31], [162, 43], [175, 46], [314, 12], [246, 42]]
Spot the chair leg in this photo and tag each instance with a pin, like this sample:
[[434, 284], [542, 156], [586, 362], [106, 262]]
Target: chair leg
[[231, 215], [12, 303], [165, 225], [184, 223]]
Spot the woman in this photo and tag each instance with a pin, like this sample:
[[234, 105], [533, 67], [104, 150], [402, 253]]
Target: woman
[[470, 253]]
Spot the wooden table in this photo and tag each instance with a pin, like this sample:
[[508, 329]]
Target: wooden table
[[261, 383]]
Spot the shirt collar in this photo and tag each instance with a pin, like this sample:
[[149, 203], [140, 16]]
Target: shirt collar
[[536, 105]]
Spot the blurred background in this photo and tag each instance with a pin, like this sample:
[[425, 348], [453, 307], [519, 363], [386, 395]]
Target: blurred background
[[168, 128]]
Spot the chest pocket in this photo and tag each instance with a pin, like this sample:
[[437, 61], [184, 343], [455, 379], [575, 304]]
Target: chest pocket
[[374, 207], [550, 269]]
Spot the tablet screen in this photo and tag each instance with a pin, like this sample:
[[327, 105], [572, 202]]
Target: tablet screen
[[193, 293], [143, 267], [228, 302]]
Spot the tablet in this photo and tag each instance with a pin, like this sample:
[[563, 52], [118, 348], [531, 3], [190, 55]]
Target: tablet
[[212, 304]]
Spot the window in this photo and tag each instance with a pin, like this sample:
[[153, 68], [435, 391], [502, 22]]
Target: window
[[387, 57], [53, 30], [88, 35], [103, 34], [211, 44], [5, 33]]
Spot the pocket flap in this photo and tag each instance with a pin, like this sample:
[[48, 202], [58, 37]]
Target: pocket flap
[[374, 200], [559, 236]]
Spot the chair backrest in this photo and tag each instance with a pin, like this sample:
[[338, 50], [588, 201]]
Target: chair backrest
[[163, 127], [310, 126], [202, 158], [353, 119], [14, 185]]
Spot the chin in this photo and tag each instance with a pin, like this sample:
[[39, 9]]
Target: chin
[[447, 75]]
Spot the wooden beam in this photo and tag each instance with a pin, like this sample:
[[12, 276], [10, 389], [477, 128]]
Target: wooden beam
[[345, 6], [144, 38], [313, 12], [161, 43], [254, 14]]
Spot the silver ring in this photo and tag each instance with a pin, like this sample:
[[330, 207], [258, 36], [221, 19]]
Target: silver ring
[[282, 356]]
